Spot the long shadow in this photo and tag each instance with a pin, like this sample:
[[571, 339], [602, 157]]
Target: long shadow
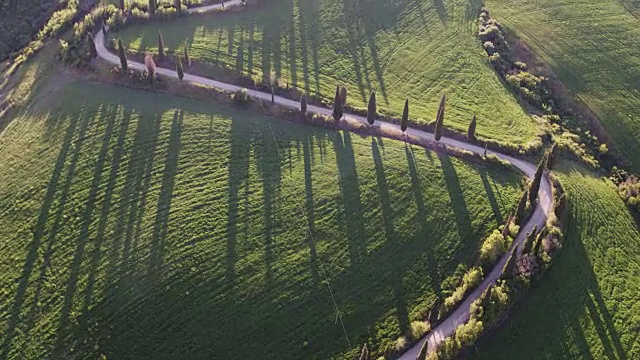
[[304, 52], [311, 15], [291, 38], [352, 211], [252, 28], [441, 10], [240, 52], [426, 227], [39, 228], [269, 165], [491, 196], [458, 203], [238, 172], [388, 216], [354, 42], [309, 212], [163, 208], [106, 207], [87, 220]]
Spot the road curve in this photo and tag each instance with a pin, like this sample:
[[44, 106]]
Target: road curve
[[448, 326]]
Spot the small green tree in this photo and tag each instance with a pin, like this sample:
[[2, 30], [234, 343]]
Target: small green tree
[[551, 156], [440, 117], [122, 55], [522, 207], [535, 184], [92, 47], [471, 132], [152, 7], [372, 109], [337, 105], [364, 354], [160, 46], [510, 265], [405, 116], [179, 68], [531, 237], [303, 104], [424, 349], [187, 60]]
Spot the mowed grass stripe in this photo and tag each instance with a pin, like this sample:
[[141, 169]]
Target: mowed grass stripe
[[594, 48], [153, 226], [402, 49]]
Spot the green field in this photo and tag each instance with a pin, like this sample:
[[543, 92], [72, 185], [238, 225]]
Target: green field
[[414, 49], [593, 46], [138, 225], [587, 306]]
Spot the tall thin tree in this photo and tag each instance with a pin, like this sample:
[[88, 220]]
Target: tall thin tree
[[179, 68], [364, 354], [152, 7], [337, 105], [343, 96], [535, 184], [122, 55], [372, 109], [177, 4], [424, 349], [92, 47], [522, 207], [405, 116], [122, 5], [160, 47], [303, 104], [471, 132], [531, 237], [187, 60], [440, 117], [510, 265]]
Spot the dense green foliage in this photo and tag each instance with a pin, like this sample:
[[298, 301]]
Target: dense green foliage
[[135, 225], [593, 46], [20, 22], [586, 306], [415, 49]]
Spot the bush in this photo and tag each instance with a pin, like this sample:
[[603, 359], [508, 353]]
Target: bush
[[492, 247], [241, 96], [470, 280], [418, 328], [468, 333]]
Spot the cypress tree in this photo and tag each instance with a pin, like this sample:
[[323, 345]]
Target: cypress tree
[[179, 68], [152, 7], [505, 230], [122, 5], [440, 117], [104, 29], [551, 156], [405, 116], [364, 355], [522, 207], [177, 4], [531, 237], [122, 55], [535, 184], [187, 61], [337, 105], [485, 150], [510, 265], [536, 247], [423, 350], [92, 47], [160, 46], [471, 132], [372, 108], [303, 104]]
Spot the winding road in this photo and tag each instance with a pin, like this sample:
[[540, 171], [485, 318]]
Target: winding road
[[448, 326]]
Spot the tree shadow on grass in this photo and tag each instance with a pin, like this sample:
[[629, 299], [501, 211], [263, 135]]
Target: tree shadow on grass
[[458, 204], [491, 196], [70, 148]]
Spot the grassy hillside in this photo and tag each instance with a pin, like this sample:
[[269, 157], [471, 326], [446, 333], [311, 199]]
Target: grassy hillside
[[587, 306], [593, 46], [137, 225], [414, 49]]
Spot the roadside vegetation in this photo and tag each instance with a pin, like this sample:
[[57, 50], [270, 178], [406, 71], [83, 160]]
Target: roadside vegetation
[[140, 225]]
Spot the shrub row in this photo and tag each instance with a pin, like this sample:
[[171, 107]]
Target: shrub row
[[563, 126], [628, 188]]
